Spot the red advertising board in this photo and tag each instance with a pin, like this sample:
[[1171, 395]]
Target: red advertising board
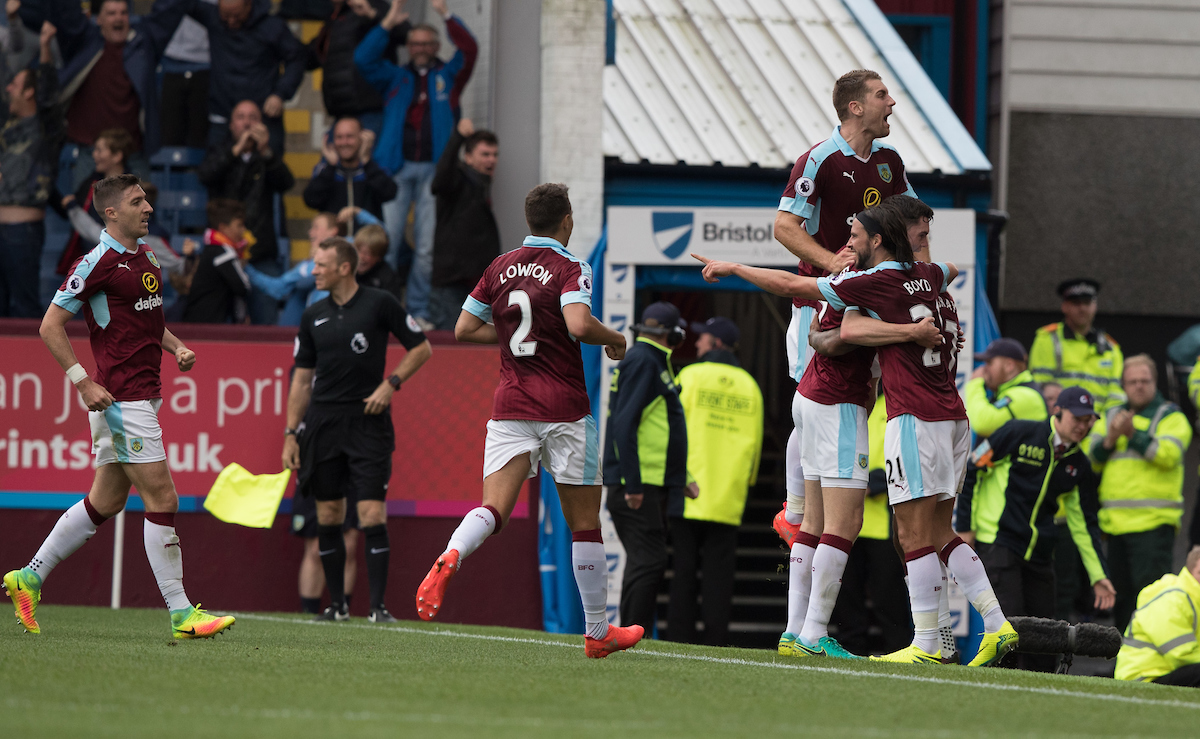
[[231, 408]]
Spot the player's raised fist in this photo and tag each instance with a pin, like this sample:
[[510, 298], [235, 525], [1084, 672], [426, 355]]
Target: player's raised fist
[[616, 352], [185, 358]]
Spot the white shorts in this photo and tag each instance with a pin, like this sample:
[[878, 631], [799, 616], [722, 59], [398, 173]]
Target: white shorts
[[127, 432], [923, 458], [571, 449], [834, 446], [798, 349]]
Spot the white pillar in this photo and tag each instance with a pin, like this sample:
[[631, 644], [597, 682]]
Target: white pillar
[[572, 110], [118, 558]]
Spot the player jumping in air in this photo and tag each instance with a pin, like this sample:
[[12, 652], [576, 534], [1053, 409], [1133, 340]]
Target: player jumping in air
[[118, 285], [927, 438], [535, 302], [829, 183]]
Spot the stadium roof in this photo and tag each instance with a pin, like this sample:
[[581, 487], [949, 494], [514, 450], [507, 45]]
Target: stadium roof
[[749, 82]]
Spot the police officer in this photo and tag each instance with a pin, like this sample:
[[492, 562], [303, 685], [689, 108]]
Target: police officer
[[1073, 352], [347, 436], [645, 457], [1010, 512], [1001, 389], [724, 410], [1138, 450]]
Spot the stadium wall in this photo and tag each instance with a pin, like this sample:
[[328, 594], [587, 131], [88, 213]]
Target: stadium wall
[[226, 411], [232, 568], [1108, 197]]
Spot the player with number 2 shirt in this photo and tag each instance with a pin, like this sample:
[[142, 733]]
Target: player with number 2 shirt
[[536, 303]]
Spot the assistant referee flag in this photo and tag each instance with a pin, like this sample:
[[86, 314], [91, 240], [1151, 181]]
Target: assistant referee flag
[[246, 499]]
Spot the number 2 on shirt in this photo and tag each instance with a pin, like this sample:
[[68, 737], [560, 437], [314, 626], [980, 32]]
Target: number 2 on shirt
[[517, 344], [933, 357]]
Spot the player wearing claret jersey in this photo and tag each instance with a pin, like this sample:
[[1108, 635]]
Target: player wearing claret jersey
[[118, 284], [535, 302], [829, 183], [830, 411], [927, 434]]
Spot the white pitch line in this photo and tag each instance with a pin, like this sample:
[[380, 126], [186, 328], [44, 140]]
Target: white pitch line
[[751, 663]]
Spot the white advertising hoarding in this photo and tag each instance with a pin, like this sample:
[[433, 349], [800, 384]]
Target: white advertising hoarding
[[667, 236]]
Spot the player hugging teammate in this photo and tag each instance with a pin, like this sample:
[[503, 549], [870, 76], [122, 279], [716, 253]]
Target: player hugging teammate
[[927, 437]]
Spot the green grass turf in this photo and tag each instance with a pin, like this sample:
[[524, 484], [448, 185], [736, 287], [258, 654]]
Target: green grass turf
[[95, 672]]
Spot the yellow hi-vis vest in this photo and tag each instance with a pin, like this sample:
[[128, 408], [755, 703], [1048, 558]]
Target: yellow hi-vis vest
[[1141, 479], [724, 411], [1162, 634], [877, 517], [1193, 383], [1077, 362]]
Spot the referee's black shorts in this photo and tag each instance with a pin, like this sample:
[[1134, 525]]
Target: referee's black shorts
[[304, 514], [342, 448]]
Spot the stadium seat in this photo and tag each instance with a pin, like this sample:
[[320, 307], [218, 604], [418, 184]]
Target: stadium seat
[[177, 242], [177, 157], [181, 209]]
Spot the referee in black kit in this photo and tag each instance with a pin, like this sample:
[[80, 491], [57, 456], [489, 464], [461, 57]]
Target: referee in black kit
[[338, 389]]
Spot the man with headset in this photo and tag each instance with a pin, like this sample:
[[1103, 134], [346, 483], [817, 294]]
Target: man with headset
[[645, 457]]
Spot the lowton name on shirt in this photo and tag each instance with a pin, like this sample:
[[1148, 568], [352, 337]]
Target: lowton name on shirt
[[536, 271]]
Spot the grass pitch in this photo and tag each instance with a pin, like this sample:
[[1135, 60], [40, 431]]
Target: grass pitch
[[97, 673]]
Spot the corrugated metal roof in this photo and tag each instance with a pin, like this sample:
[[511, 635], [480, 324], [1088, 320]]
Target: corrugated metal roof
[[749, 82]]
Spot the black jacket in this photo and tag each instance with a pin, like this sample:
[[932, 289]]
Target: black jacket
[[467, 238], [343, 88], [724, 356], [254, 182], [246, 62], [1013, 504], [643, 392], [331, 188], [219, 281], [382, 276]]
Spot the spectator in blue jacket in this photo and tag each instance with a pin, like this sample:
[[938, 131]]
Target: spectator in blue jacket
[[248, 46], [297, 285], [420, 111], [108, 76]]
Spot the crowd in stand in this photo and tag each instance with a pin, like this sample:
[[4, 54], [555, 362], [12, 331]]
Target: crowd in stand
[[86, 100]]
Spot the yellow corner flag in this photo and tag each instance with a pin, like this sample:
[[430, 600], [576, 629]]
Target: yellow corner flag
[[245, 499]]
